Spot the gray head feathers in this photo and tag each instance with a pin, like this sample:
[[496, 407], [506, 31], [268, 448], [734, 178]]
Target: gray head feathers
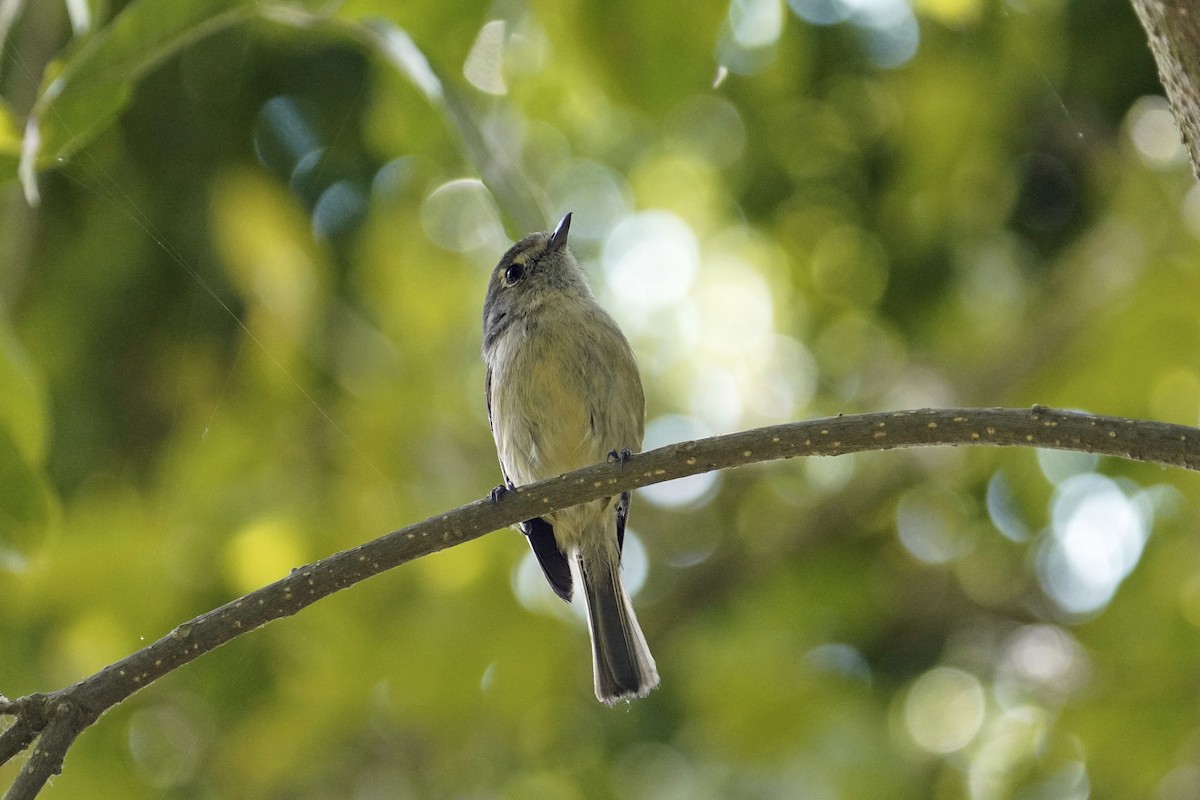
[[533, 271]]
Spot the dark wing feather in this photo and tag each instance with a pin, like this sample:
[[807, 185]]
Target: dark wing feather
[[487, 398], [622, 516], [539, 532], [554, 564]]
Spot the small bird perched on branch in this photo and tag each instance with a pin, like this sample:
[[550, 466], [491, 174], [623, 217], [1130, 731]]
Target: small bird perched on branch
[[563, 393]]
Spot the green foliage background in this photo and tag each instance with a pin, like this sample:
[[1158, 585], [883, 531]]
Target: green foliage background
[[239, 332]]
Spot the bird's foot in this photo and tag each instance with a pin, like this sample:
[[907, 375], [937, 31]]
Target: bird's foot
[[620, 456]]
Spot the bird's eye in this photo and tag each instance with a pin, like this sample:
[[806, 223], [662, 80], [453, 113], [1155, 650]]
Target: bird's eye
[[514, 273]]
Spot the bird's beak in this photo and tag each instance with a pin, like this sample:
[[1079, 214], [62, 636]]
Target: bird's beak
[[558, 239]]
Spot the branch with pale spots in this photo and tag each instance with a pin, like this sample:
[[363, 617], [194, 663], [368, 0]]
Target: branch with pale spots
[[51, 721]]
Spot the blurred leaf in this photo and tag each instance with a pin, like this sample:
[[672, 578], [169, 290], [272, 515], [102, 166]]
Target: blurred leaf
[[25, 503], [26, 500], [22, 412], [264, 239], [9, 11], [83, 93], [10, 143]]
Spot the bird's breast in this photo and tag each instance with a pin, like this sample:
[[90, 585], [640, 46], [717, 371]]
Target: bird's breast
[[561, 401]]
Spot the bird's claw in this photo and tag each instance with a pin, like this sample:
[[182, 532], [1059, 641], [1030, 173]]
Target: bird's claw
[[498, 493], [620, 456]]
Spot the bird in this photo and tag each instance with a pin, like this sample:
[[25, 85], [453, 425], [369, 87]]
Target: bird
[[563, 392]]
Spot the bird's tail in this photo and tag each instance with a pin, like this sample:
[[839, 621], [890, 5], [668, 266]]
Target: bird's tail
[[623, 665]]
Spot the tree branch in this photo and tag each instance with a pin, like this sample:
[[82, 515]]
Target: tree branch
[[53, 720], [1173, 27]]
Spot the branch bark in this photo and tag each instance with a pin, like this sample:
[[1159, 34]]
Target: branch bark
[[53, 720], [1173, 27]]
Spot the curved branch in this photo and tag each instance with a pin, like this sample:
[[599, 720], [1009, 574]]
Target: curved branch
[[54, 719]]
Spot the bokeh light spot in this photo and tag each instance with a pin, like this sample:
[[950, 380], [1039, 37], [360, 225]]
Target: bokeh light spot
[[737, 309], [1002, 509], [1046, 656], [597, 195], [1096, 538], [716, 397], [1180, 784], [839, 658], [1008, 741], [635, 562], [337, 209], [712, 125], [889, 27], [944, 710], [283, 134], [531, 589], [166, 745], [1059, 465], [755, 23], [1151, 128], [785, 385], [891, 32], [461, 215], [484, 67], [262, 552], [830, 473], [821, 12], [651, 259], [932, 525], [747, 42]]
